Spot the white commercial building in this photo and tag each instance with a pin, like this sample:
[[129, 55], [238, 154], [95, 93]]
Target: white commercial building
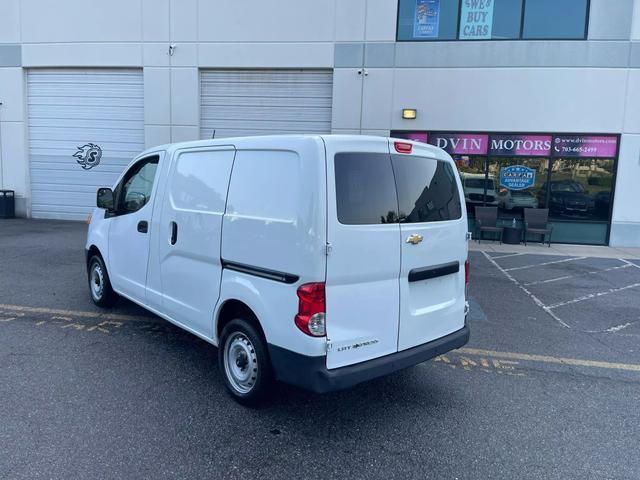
[[546, 90]]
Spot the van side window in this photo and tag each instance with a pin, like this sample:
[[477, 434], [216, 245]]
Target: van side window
[[264, 185], [365, 192], [427, 189], [200, 180], [135, 188]]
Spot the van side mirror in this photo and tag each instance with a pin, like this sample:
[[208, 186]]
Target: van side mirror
[[105, 199]]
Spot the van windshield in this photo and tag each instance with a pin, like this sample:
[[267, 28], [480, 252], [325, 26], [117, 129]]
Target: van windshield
[[374, 188]]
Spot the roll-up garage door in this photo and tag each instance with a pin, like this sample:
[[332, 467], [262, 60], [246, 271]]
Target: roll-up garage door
[[85, 126], [265, 102]]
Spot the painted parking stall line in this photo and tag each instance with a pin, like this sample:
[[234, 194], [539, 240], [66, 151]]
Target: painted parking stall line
[[570, 282], [576, 362], [509, 255], [457, 360], [466, 359], [544, 264], [74, 313], [593, 295], [535, 299], [568, 277], [85, 321], [631, 264]]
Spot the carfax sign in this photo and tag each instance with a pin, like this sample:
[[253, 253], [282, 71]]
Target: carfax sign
[[426, 23], [517, 177]]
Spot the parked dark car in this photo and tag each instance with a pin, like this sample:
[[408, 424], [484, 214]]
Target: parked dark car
[[568, 197], [603, 203]]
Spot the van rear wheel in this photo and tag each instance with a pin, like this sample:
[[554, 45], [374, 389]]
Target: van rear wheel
[[244, 362], [99, 284]]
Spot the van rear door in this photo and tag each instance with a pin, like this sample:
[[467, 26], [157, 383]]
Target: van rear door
[[363, 262], [433, 228]]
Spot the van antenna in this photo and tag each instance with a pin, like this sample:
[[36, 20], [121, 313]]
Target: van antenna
[[214, 135]]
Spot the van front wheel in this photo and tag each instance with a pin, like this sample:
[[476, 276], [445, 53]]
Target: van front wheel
[[99, 284], [244, 362]]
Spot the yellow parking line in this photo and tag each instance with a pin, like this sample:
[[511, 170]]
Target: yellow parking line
[[468, 351], [555, 360], [75, 313]]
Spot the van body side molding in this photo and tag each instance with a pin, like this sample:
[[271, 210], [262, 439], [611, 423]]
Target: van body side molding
[[261, 272], [426, 273]]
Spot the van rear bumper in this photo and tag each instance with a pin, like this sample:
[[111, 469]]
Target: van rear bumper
[[311, 372]]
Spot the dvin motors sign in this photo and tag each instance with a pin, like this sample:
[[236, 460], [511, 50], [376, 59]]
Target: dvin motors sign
[[461, 143], [518, 144], [517, 177]]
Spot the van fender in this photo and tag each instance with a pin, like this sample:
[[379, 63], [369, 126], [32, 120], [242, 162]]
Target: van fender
[[98, 236], [275, 304], [235, 287]]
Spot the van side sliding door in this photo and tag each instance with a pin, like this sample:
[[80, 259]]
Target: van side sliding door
[[190, 235]]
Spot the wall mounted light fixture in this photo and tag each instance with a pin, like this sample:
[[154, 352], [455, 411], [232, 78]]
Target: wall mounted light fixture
[[409, 113]]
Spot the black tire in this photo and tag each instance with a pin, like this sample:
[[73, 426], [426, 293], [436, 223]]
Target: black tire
[[99, 284], [242, 345]]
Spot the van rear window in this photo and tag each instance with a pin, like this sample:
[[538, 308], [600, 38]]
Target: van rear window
[[427, 189], [375, 188], [365, 192]]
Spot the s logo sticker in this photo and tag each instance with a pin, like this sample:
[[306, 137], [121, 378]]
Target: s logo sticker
[[88, 156]]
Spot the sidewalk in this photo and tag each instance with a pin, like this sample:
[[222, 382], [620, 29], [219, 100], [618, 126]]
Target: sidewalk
[[557, 249]]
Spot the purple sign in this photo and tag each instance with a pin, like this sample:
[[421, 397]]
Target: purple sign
[[415, 136], [520, 145], [461, 143], [585, 146]]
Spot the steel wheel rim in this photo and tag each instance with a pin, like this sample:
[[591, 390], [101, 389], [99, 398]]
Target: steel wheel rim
[[97, 281], [240, 362]]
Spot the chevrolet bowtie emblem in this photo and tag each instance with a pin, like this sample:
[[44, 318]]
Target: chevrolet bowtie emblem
[[414, 239]]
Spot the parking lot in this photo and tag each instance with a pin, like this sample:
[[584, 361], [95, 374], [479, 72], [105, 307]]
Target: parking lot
[[548, 386]]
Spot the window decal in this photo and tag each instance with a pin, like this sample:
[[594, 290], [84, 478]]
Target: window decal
[[476, 20], [517, 177], [427, 19]]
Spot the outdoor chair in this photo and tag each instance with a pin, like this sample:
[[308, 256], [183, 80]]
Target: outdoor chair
[[487, 221], [536, 222]]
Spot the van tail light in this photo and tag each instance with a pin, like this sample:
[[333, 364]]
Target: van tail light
[[403, 147], [311, 309]]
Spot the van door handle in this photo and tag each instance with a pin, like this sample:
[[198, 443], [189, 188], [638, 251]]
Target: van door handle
[[143, 226], [174, 233], [414, 239]]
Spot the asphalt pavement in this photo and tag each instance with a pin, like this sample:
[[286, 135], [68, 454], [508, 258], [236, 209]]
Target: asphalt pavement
[[547, 388]]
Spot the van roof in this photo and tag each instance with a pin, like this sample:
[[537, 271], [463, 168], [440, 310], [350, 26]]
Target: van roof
[[276, 141]]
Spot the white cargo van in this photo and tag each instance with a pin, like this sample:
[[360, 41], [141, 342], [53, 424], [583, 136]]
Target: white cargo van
[[321, 261]]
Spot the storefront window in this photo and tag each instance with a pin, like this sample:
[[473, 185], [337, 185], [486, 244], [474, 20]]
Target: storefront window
[[472, 177], [581, 189], [428, 20], [555, 19], [571, 175], [506, 19], [490, 19], [515, 194]]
